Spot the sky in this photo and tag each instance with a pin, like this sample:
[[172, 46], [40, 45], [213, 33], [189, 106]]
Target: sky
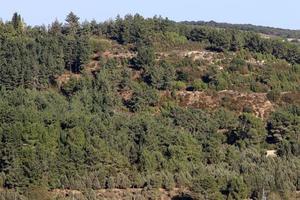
[[275, 13]]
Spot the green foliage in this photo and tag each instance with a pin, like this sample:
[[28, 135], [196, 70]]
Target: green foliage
[[145, 57], [237, 64], [99, 44], [107, 129], [159, 77], [282, 128], [17, 22], [198, 85], [249, 130], [33, 59], [235, 189], [71, 87], [178, 85], [274, 95], [227, 39], [142, 97], [72, 25], [76, 52]]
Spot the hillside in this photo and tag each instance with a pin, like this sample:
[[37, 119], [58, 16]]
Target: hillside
[[137, 108], [279, 32]]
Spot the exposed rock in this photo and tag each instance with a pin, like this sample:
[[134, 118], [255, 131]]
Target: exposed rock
[[271, 153]]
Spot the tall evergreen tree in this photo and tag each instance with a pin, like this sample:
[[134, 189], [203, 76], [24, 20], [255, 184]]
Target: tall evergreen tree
[[55, 28], [17, 22], [73, 24]]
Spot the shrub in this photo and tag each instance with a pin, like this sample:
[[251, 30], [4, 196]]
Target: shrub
[[168, 181], [198, 85], [99, 44], [110, 183], [274, 95], [178, 85], [122, 181]]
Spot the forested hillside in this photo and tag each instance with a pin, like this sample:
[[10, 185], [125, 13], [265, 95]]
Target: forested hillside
[[284, 33], [147, 108]]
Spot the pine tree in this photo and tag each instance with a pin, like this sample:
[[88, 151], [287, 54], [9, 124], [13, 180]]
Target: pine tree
[[73, 24], [17, 22], [56, 28]]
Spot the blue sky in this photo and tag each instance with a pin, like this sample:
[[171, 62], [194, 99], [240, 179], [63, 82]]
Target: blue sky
[[277, 13]]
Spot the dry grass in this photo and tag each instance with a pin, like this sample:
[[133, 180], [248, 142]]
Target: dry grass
[[121, 194], [256, 102]]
